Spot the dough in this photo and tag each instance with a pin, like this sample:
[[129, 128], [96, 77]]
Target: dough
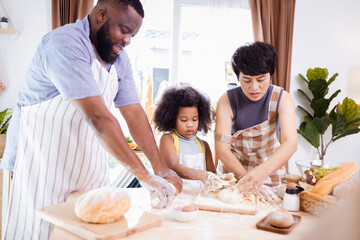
[[281, 218], [189, 208], [230, 196], [102, 205]]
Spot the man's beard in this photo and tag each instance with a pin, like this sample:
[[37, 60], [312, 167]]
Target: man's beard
[[104, 44]]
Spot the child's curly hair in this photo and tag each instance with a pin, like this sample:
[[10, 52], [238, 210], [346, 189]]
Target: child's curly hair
[[182, 96]]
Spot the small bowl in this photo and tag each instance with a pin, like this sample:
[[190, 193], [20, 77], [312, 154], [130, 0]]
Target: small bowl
[[304, 165], [178, 214]]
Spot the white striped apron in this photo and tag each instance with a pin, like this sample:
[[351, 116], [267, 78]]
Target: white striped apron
[[254, 145], [58, 153]]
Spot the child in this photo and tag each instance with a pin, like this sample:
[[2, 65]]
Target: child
[[181, 113]]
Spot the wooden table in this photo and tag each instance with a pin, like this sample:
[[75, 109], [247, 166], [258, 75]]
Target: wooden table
[[207, 225]]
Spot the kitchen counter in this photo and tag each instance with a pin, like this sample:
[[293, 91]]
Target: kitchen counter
[[207, 225]]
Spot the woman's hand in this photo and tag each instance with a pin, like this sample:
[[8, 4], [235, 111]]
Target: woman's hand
[[253, 179]]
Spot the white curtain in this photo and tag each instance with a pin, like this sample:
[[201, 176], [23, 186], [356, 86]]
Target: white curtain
[[226, 4], [230, 27]]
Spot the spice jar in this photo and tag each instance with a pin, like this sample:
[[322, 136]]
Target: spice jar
[[291, 199]]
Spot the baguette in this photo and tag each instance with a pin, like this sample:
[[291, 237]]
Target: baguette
[[326, 184]]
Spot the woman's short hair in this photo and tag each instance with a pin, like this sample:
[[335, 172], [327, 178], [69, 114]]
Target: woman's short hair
[[254, 59], [182, 95]]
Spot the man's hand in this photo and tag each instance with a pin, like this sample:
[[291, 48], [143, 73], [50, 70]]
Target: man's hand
[[172, 177], [161, 192]]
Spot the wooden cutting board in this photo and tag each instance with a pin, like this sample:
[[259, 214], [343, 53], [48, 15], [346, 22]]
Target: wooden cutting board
[[135, 220], [210, 202], [264, 224]]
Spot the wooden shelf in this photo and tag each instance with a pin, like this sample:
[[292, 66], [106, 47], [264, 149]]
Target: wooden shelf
[[8, 31]]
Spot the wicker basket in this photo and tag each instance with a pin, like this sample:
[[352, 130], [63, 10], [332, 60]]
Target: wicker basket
[[314, 203]]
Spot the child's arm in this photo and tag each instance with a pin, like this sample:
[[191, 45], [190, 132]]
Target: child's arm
[[169, 156], [210, 166]]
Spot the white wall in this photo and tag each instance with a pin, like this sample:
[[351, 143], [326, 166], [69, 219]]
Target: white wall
[[33, 20], [327, 34]]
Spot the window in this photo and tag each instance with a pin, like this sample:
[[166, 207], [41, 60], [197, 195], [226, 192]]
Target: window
[[187, 41], [209, 37]]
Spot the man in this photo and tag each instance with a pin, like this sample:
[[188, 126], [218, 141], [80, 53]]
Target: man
[[62, 124]]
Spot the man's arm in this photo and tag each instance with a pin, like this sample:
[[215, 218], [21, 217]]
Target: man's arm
[[108, 131], [141, 132]]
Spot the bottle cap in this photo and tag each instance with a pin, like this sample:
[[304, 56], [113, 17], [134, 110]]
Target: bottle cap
[[300, 188], [292, 190]]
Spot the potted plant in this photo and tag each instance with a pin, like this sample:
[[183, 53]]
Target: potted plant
[[4, 22], [344, 117], [5, 117]]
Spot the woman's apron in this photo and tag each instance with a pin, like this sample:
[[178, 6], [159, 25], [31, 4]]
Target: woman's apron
[[254, 145], [58, 153], [195, 161]]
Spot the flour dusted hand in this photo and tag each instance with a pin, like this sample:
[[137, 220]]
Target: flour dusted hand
[[162, 193], [102, 205]]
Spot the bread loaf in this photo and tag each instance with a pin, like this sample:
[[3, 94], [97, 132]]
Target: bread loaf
[[102, 205], [344, 188], [281, 218], [326, 184]]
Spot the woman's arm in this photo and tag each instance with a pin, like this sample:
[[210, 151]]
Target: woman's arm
[[224, 116], [209, 159], [288, 144], [169, 156]]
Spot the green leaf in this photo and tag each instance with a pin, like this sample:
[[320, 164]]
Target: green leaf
[[355, 121], [338, 123], [317, 73], [322, 124], [303, 78], [5, 126], [304, 94], [302, 126], [348, 108], [348, 132], [3, 115], [334, 95], [320, 106], [4, 122], [310, 133], [332, 78], [306, 112], [129, 139], [319, 88]]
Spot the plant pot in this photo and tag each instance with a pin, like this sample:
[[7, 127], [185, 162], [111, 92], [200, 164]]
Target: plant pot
[[2, 144], [304, 165], [4, 25]]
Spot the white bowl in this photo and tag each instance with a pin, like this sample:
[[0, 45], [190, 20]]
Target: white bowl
[[304, 165], [178, 214]]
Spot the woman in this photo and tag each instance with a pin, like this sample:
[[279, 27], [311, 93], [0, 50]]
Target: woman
[[251, 118]]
